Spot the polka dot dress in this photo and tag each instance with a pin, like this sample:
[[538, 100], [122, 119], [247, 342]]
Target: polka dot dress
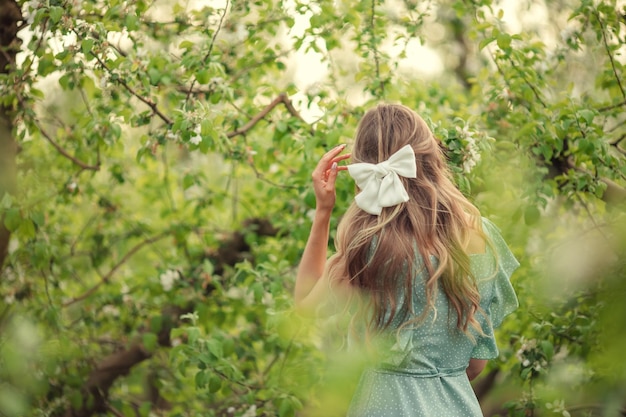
[[423, 373]]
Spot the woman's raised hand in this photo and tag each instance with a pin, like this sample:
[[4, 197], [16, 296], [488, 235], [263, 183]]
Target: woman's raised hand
[[324, 177]]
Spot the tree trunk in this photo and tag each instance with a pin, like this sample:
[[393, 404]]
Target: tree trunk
[[10, 16]]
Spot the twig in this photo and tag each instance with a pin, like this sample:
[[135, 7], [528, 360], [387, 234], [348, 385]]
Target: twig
[[105, 278], [375, 49], [528, 83], [113, 410], [208, 54], [608, 51], [262, 177], [46, 287], [153, 106], [270, 58], [63, 152], [84, 228], [166, 180], [593, 220], [85, 101], [282, 98], [613, 106], [592, 407]]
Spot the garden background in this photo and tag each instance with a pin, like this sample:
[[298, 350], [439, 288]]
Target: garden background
[[155, 196]]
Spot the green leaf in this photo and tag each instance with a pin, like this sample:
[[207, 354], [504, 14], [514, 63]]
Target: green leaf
[[286, 408], [131, 22], [55, 13], [12, 219], [504, 41], [6, 201], [215, 383], [547, 349], [188, 181], [186, 45], [531, 215], [193, 333], [216, 348], [201, 379], [525, 373], [150, 341], [154, 75], [76, 399], [586, 114], [86, 46], [27, 228], [203, 76], [156, 324], [38, 218], [485, 42]]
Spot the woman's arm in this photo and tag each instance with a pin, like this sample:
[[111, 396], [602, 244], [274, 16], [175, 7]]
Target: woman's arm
[[313, 260], [314, 256], [475, 367]]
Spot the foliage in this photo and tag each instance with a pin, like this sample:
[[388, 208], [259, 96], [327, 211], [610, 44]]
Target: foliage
[[157, 140]]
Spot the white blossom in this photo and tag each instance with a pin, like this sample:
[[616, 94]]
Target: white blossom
[[251, 412], [72, 186], [14, 245], [196, 139], [168, 278], [110, 310], [472, 155], [558, 407], [569, 34]]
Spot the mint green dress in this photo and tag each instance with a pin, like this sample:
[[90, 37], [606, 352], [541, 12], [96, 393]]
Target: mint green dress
[[423, 374]]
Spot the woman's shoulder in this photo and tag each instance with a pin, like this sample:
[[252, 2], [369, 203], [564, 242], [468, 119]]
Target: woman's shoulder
[[498, 247]]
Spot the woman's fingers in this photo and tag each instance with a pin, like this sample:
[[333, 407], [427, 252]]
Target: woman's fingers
[[342, 157], [325, 175], [328, 159], [332, 176]]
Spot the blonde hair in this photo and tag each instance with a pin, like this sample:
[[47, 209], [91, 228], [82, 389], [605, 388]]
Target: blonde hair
[[377, 254]]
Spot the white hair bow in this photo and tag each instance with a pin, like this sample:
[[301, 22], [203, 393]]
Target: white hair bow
[[380, 183]]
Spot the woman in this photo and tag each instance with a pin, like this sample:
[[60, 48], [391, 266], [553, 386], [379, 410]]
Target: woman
[[424, 278]]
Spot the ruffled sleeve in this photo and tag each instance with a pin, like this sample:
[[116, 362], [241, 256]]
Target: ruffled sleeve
[[497, 294]]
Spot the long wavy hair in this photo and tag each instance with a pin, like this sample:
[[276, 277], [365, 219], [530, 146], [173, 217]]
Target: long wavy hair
[[377, 254]]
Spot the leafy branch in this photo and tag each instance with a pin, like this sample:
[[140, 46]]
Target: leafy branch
[[106, 277], [374, 47], [208, 54], [63, 152], [282, 98], [150, 103], [608, 51]]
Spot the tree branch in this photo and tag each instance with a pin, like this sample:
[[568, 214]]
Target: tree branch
[[381, 84], [612, 106], [208, 54], [608, 51], [105, 278], [614, 193], [153, 106], [63, 152], [282, 98], [10, 15], [528, 83], [119, 364]]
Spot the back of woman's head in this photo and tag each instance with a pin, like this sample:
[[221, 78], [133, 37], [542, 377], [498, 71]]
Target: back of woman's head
[[378, 254], [386, 128]]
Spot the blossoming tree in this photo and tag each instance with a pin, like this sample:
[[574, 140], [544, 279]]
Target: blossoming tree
[[154, 169]]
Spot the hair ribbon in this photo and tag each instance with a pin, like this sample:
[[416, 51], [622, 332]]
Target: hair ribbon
[[380, 183]]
